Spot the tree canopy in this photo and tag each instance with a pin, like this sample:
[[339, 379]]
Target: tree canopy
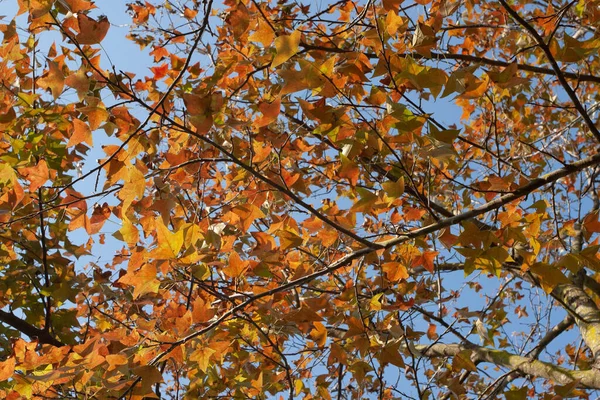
[[391, 199]]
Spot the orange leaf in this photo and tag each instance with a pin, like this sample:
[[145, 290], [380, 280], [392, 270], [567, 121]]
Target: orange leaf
[[143, 280], [79, 81], [431, 334], [189, 13], [248, 213], [54, 79], [235, 266], [160, 71], [426, 260], [37, 175], [349, 170], [394, 271], [264, 34], [81, 133], [590, 222], [39, 8], [115, 360], [270, 112], [201, 310], [7, 368], [90, 30]]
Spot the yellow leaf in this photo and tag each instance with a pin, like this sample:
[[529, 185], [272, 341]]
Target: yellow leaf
[[393, 22], [169, 243], [202, 356], [288, 239], [286, 46], [133, 188], [319, 333], [394, 189], [463, 361], [549, 275], [129, 232], [366, 202]]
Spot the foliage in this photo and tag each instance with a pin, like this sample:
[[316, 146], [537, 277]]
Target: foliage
[[384, 199]]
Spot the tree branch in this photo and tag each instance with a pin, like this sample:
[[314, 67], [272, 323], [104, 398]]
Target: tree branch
[[469, 58], [555, 67], [528, 366], [42, 335]]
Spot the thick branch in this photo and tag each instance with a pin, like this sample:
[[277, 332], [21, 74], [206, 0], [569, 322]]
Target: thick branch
[[528, 366], [585, 312], [42, 335]]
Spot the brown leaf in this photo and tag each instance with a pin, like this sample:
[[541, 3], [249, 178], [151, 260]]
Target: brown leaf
[[90, 30]]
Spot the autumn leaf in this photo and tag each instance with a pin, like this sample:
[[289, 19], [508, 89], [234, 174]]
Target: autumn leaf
[[394, 189], [235, 266], [7, 368], [462, 361], [54, 79], [395, 271], [319, 333], [90, 30], [348, 170], [39, 8], [143, 280], [133, 188], [99, 216], [81, 133], [36, 175], [549, 276], [202, 356], [286, 47], [270, 111], [264, 34], [168, 243], [128, 232]]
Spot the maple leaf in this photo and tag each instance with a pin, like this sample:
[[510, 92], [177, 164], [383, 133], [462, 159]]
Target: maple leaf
[[168, 243], [286, 46], [264, 34], [81, 133], [99, 216], [143, 280], [54, 79], [90, 30], [36, 175]]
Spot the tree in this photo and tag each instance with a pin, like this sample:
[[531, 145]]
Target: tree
[[384, 199]]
